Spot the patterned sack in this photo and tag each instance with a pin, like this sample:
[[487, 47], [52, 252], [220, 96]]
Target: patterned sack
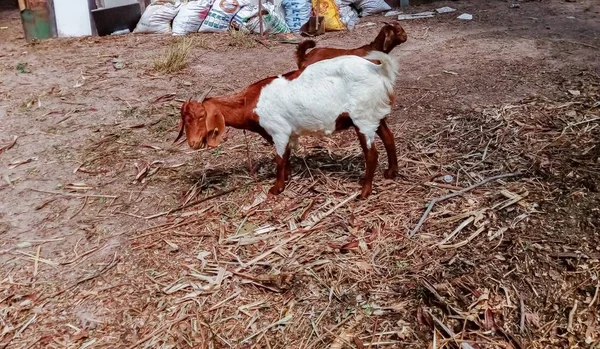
[[330, 11], [274, 20], [221, 14], [243, 16], [190, 16], [297, 13], [349, 16]]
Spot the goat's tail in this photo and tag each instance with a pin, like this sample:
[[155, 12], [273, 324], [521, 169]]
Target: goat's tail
[[389, 66], [301, 50]]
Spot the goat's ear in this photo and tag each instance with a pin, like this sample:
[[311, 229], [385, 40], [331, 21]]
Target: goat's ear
[[389, 38], [215, 128]]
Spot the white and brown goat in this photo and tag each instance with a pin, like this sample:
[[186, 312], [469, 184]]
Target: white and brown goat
[[327, 96]]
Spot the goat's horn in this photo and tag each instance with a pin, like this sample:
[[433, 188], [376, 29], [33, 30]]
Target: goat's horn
[[180, 132], [204, 95]]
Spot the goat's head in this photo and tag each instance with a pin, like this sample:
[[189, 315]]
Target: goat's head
[[390, 36], [202, 123]]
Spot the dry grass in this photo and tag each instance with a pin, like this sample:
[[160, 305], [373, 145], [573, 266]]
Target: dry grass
[[204, 42], [241, 39], [493, 268], [175, 57]]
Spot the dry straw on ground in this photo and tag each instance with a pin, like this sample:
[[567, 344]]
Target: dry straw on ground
[[314, 268], [241, 39], [175, 57]]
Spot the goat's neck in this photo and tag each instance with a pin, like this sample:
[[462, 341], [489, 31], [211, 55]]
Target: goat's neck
[[377, 44], [236, 111], [367, 48]]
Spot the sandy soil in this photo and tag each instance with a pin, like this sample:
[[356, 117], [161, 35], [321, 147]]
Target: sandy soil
[[85, 262]]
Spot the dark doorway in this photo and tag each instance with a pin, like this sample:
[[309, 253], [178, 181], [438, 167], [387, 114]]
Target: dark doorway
[[9, 4]]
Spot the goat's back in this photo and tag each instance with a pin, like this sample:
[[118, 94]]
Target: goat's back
[[323, 53], [314, 100]]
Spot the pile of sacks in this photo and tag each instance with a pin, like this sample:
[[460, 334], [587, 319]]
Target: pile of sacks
[[279, 16]]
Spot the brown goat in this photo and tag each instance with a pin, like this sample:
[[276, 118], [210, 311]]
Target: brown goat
[[390, 36]]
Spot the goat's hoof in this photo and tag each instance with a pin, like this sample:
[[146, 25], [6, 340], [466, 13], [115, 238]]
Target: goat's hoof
[[276, 190], [364, 194], [390, 173]]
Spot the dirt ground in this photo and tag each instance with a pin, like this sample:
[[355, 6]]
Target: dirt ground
[[113, 237]]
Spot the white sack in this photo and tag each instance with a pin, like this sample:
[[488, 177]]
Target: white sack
[[190, 16], [158, 17]]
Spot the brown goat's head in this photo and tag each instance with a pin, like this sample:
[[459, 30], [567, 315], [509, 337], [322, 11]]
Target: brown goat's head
[[390, 36], [202, 123]]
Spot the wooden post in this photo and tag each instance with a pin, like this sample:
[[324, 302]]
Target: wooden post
[[22, 5], [260, 18], [52, 16], [92, 5], [317, 14]]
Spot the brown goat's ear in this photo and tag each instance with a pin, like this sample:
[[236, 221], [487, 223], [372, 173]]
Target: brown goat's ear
[[215, 128], [389, 38]]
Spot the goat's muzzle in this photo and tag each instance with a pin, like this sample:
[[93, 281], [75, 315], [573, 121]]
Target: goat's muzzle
[[197, 144]]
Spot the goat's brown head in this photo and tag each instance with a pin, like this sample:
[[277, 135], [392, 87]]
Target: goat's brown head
[[390, 36], [202, 123]]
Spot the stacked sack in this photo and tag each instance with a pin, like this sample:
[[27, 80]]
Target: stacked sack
[[331, 14], [351, 10], [348, 15], [348, 12], [274, 21], [158, 17], [190, 16], [221, 14], [279, 16], [181, 18], [297, 13], [344, 14], [368, 7]]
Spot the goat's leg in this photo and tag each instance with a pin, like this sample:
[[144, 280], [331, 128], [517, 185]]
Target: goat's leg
[[282, 164], [292, 144], [387, 137], [370, 164], [288, 169]]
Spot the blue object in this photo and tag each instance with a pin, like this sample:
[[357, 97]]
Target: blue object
[[297, 13]]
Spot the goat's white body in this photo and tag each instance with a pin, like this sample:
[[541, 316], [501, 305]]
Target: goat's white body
[[311, 103]]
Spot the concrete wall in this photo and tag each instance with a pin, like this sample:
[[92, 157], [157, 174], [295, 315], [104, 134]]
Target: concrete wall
[[72, 18]]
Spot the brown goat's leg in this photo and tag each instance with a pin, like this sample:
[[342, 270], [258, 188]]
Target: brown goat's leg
[[370, 165], [387, 137], [281, 163], [288, 169]]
